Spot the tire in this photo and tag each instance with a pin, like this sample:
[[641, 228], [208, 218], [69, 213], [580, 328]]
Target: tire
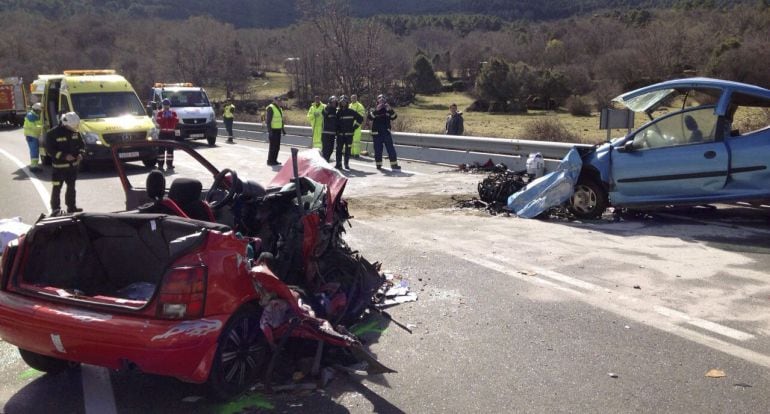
[[589, 200], [150, 162], [46, 364], [211, 140], [241, 357]]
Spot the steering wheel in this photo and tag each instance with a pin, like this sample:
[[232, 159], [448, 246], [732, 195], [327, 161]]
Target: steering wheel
[[229, 191]]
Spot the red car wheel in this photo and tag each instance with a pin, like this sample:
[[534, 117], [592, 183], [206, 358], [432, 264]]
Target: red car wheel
[[241, 356]]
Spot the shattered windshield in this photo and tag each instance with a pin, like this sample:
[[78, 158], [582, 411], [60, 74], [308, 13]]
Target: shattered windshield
[[662, 102], [645, 101]]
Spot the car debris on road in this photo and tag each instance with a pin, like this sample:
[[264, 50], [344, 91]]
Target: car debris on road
[[520, 193], [235, 290]]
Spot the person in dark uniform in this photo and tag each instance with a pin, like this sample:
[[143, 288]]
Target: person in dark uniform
[[347, 120], [66, 148], [381, 117], [275, 127], [329, 134]]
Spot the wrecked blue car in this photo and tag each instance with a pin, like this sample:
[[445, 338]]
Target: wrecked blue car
[[705, 141]]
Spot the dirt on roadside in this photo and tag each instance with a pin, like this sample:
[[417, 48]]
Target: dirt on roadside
[[409, 206]]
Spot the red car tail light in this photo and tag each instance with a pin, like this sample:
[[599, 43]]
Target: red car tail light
[[183, 292]]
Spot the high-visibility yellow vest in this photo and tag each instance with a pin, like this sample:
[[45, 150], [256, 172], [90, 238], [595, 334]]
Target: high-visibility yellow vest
[[277, 122], [358, 107], [33, 125], [315, 115], [228, 111]]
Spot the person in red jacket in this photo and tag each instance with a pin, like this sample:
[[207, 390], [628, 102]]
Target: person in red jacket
[[167, 121]]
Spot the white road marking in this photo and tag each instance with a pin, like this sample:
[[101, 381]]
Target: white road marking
[[671, 313], [592, 288], [35, 181], [659, 317], [97, 390], [704, 324]]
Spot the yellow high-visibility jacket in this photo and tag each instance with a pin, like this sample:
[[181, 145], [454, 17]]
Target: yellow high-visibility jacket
[[316, 119]]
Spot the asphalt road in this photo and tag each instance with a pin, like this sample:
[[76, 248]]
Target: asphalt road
[[513, 315]]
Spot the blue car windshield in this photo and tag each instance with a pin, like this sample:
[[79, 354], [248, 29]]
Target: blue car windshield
[[106, 104]]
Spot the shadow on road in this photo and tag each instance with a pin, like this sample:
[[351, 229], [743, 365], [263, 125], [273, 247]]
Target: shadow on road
[[139, 393], [94, 171], [60, 393], [726, 227]]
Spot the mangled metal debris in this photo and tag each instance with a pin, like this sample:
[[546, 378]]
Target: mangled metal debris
[[520, 193], [479, 167], [394, 292], [550, 190]]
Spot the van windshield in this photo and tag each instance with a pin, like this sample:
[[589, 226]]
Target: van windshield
[[186, 98], [106, 104]]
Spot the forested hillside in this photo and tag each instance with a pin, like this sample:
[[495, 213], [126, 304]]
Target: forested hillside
[[272, 13], [578, 62]]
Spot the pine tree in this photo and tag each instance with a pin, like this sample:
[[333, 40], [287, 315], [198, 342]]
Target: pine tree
[[423, 77]]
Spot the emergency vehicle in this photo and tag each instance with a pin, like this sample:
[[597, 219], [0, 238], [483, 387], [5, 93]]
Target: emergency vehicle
[[192, 106], [109, 110], [13, 101]]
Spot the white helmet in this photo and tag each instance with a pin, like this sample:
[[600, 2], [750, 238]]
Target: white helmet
[[71, 120], [36, 106]]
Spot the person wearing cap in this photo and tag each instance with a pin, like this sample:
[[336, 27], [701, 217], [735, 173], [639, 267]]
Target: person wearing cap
[[167, 121], [316, 120], [228, 118], [355, 149], [329, 134], [347, 120], [381, 116], [66, 148], [275, 128], [33, 128]]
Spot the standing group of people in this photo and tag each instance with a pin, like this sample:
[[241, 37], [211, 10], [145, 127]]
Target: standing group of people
[[337, 126]]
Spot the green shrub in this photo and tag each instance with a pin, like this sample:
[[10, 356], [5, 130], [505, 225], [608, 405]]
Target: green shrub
[[549, 129], [577, 106]]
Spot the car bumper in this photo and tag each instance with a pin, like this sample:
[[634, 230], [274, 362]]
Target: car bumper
[[104, 153], [195, 131], [181, 349]]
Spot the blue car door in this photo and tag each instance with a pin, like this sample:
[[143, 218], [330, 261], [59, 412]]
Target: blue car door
[[675, 158]]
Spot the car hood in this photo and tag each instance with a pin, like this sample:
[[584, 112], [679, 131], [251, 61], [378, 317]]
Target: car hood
[[126, 123], [194, 112]]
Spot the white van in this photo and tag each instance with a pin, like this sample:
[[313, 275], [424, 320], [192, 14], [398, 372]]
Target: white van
[[192, 106]]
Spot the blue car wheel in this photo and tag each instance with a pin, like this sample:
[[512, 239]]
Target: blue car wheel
[[589, 200]]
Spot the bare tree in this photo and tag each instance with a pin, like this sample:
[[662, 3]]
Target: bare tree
[[199, 61], [354, 54]]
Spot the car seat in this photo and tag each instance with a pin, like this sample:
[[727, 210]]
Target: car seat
[[186, 193], [156, 190]]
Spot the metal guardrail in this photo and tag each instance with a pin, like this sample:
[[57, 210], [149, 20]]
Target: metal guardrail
[[446, 149]]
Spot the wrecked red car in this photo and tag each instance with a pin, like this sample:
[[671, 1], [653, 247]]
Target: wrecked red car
[[204, 286]]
